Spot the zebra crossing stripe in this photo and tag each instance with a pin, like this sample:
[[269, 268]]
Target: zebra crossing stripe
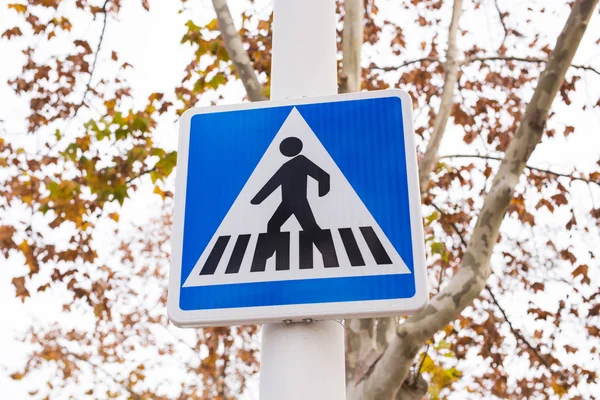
[[323, 240], [278, 244], [269, 243], [377, 249], [351, 246], [215, 256], [239, 250]]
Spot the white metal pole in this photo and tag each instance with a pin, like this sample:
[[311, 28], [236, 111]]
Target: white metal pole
[[304, 49], [301, 361]]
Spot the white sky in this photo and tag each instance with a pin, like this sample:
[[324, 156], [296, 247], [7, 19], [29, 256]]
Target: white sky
[[150, 42]]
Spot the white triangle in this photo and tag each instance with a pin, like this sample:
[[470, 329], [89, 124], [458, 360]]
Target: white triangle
[[340, 208]]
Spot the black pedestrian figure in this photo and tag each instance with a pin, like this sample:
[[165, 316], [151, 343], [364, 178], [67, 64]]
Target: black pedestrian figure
[[293, 179]]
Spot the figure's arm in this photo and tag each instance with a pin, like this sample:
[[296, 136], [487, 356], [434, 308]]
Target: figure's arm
[[319, 175], [266, 191]]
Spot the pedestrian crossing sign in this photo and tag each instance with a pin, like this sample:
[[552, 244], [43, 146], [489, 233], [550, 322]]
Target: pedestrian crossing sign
[[296, 210]]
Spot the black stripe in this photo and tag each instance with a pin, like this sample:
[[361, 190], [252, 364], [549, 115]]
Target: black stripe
[[379, 253], [215, 256], [239, 250], [356, 259], [270, 243], [324, 241]]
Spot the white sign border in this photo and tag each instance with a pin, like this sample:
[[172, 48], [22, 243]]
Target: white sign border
[[300, 312]]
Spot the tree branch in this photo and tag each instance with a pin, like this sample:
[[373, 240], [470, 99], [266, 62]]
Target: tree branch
[[514, 331], [458, 232], [134, 177], [545, 171], [93, 69], [385, 331], [587, 68], [361, 335], [524, 59], [366, 338], [501, 17], [484, 59], [115, 379], [441, 119], [502, 58], [406, 64], [237, 54], [519, 336], [414, 391], [352, 38], [389, 373]]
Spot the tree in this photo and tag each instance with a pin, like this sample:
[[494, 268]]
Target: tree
[[500, 97]]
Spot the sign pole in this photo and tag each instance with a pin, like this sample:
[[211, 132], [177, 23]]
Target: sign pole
[[303, 360]]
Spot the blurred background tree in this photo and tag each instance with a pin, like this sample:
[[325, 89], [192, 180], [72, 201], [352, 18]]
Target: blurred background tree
[[515, 310]]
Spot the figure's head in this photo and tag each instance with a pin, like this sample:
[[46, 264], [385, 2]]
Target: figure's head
[[291, 146]]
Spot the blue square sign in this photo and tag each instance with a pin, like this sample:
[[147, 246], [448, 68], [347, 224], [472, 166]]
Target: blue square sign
[[296, 209]]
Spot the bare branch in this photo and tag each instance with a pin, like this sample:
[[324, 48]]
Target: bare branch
[[519, 336], [441, 119], [389, 373], [545, 171], [501, 17], [93, 69], [458, 232], [420, 367], [139, 175], [502, 58], [237, 54], [351, 46], [115, 379], [587, 68], [406, 64], [524, 59], [515, 332]]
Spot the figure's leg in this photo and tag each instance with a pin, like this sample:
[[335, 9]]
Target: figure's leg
[[282, 214], [305, 217], [324, 242], [270, 243]]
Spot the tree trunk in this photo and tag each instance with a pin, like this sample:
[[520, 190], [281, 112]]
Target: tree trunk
[[386, 377], [237, 54]]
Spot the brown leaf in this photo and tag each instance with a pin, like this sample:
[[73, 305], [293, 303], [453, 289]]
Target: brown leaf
[[538, 286], [19, 284], [569, 130], [567, 255], [570, 349], [84, 44], [560, 199], [583, 271], [20, 8], [17, 376], [10, 33], [572, 222], [593, 330]]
